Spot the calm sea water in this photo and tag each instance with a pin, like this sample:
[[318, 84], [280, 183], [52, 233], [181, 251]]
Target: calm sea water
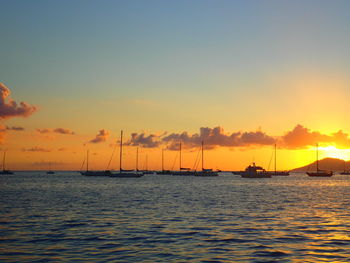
[[157, 218]]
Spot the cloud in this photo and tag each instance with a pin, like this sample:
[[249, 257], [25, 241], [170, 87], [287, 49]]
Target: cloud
[[14, 128], [36, 149], [57, 130], [301, 137], [102, 136], [9, 108], [215, 137], [63, 131], [143, 140], [43, 131]]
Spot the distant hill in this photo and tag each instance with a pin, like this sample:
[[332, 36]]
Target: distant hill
[[330, 164]]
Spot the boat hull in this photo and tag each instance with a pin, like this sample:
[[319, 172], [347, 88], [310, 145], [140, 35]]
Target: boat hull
[[183, 173], [96, 173], [6, 172], [255, 175], [279, 173], [318, 174], [126, 175], [206, 174]]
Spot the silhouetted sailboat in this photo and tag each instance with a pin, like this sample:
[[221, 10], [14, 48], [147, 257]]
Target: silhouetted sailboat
[[319, 173], [345, 172], [4, 171], [163, 171], [93, 173], [182, 171], [124, 173], [50, 171], [275, 172], [205, 172]]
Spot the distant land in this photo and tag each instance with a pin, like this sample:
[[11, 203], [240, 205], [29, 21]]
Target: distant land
[[331, 164]]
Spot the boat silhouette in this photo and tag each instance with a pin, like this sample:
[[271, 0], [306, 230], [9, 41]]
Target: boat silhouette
[[205, 172], [4, 171], [253, 171], [275, 172], [125, 173], [318, 172]]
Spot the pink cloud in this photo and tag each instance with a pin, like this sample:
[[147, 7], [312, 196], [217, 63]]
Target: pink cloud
[[9, 108]]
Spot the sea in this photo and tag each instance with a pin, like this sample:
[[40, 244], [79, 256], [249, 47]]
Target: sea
[[68, 217]]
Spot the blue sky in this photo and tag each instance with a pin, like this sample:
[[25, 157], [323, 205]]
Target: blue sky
[[131, 60]]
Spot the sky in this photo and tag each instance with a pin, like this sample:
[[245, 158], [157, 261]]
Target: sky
[[240, 75]]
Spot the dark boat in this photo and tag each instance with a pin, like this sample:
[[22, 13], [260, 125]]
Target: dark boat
[[163, 171], [275, 172], [4, 171], [123, 173], [50, 171], [253, 171], [205, 172], [318, 172], [183, 171], [345, 172], [93, 173]]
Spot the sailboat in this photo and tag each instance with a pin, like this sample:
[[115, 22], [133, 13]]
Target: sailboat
[[319, 173], [182, 171], [163, 171], [124, 173], [205, 172], [93, 173], [345, 172], [275, 172], [50, 171], [4, 171]]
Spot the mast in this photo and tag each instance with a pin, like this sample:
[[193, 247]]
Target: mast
[[87, 160], [202, 157], [180, 155], [317, 157], [121, 151], [275, 159], [3, 161], [137, 158], [162, 159], [146, 162]]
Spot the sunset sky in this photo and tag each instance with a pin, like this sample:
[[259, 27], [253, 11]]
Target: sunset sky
[[241, 75]]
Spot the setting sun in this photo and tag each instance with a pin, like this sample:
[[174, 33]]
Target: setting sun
[[334, 152]]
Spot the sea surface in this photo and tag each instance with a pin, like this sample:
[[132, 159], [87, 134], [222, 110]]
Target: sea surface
[[162, 218]]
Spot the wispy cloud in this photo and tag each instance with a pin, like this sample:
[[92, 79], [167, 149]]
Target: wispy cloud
[[9, 108], [63, 131], [14, 128], [43, 131], [56, 130], [36, 149]]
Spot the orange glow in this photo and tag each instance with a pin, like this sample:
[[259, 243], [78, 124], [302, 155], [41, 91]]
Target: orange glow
[[333, 152]]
